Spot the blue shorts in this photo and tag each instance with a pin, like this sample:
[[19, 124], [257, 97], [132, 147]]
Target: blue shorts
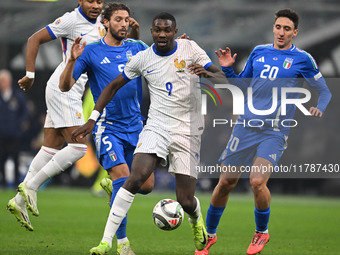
[[246, 144], [114, 148]]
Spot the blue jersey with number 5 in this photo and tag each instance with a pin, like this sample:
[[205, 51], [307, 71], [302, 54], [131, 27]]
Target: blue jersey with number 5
[[269, 68], [103, 63]]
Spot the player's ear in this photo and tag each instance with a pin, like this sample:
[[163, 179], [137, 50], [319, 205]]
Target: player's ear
[[296, 31], [106, 23], [176, 30]]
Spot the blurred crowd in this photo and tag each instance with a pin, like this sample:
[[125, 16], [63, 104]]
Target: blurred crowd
[[20, 130]]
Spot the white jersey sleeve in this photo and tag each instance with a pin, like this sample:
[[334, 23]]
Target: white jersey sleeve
[[68, 27], [199, 55], [134, 66], [62, 26]]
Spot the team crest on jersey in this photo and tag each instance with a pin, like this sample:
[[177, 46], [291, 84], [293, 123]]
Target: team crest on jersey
[[57, 21], [78, 115], [102, 31], [180, 65], [129, 55], [113, 156], [288, 63]]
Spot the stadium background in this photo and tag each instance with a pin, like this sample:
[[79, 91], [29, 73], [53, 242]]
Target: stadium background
[[241, 25]]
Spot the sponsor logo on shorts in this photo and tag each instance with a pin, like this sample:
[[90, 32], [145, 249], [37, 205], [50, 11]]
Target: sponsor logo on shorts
[[273, 156], [78, 115], [224, 155]]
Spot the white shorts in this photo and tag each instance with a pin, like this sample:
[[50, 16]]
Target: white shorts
[[64, 109], [183, 150]]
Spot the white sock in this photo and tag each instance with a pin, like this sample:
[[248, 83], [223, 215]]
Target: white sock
[[211, 235], [122, 241], [196, 215], [119, 209], [263, 232], [62, 160], [39, 161]]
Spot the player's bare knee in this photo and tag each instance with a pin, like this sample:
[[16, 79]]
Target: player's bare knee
[[226, 185], [257, 184]]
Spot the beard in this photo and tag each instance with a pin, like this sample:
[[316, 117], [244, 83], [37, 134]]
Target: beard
[[117, 36]]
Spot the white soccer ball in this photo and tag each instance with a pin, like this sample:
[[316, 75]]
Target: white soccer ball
[[168, 214]]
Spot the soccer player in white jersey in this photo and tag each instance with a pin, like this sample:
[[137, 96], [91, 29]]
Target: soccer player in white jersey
[[174, 124], [281, 65], [64, 110]]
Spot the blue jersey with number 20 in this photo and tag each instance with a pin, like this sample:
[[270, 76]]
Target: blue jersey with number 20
[[269, 68]]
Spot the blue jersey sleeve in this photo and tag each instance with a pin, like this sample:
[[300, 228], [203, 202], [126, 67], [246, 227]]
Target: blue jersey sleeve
[[81, 64], [315, 79]]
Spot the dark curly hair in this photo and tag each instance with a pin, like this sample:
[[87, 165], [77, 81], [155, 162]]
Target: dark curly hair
[[290, 14], [110, 8]]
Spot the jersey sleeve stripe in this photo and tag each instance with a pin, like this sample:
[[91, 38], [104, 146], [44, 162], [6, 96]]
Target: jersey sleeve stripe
[[51, 33], [315, 66], [136, 41], [207, 65], [125, 77]]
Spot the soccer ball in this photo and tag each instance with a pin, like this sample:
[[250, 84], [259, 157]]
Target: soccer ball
[[168, 214]]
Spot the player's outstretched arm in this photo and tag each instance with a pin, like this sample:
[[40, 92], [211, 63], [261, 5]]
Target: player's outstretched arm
[[134, 33], [105, 97], [66, 80], [225, 58], [32, 48]]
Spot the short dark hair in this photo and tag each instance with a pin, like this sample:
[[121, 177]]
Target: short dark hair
[[165, 16], [290, 14], [110, 8]]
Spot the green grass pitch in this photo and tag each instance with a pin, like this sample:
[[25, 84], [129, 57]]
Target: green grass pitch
[[72, 221]]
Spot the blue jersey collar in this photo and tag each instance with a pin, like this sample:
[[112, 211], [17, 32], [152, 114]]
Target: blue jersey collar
[[103, 42], [164, 54], [293, 47], [89, 20]]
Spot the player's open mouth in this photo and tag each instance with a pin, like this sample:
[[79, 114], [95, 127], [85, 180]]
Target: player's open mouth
[[94, 13], [162, 43]]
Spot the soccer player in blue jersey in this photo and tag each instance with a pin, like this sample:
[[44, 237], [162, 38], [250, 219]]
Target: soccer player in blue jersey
[[117, 129], [278, 65]]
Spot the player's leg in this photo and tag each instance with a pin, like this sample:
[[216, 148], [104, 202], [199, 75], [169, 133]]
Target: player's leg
[[239, 151], [65, 114], [185, 193], [53, 141], [269, 152], [62, 160], [262, 197], [219, 199], [142, 167], [149, 184], [118, 175]]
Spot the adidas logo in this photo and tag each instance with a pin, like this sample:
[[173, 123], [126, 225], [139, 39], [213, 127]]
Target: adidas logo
[[273, 156], [261, 59], [105, 61]]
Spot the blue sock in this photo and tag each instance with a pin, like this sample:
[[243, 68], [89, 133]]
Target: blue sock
[[213, 218], [262, 219], [116, 184]]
